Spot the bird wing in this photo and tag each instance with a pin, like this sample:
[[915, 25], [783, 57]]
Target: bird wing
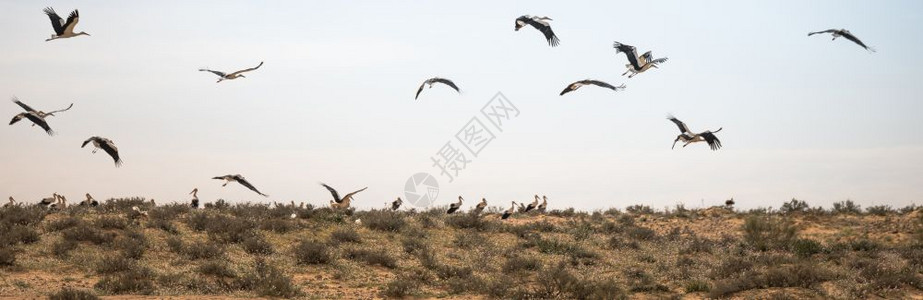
[[247, 184], [16, 118], [72, 20], [856, 40], [247, 70], [646, 57], [824, 31], [56, 21], [546, 30], [598, 83], [23, 105], [61, 110], [630, 52], [221, 177], [219, 73], [87, 142], [680, 124], [110, 148], [420, 90], [40, 122], [336, 196], [570, 88], [353, 193], [658, 61], [447, 82], [711, 139]]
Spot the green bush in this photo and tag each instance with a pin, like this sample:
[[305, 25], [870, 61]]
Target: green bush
[[847, 207]]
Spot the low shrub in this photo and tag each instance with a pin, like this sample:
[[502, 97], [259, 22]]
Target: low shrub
[[312, 252]]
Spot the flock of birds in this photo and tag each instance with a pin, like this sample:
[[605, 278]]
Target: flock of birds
[[637, 64]]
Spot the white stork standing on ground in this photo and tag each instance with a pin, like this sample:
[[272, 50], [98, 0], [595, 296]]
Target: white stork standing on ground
[[49, 201], [105, 144], [576, 85], [12, 202], [194, 203], [729, 203], [540, 23], [846, 34], [89, 201], [541, 207], [688, 137], [338, 202], [235, 75], [481, 206], [532, 205], [430, 82], [509, 212], [63, 29], [636, 64], [396, 204], [454, 206], [239, 179]]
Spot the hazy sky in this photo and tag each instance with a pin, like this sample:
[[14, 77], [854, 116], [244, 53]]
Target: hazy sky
[[803, 117]]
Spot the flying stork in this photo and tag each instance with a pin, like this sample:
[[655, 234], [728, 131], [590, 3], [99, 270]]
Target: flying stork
[[396, 204], [509, 212], [338, 202], [239, 179], [688, 137], [636, 64], [846, 34], [481, 206], [235, 75], [194, 203], [540, 23], [454, 206], [37, 117], [433, 81], [105, 144], [63, 29], [576, 85], [28, 110]]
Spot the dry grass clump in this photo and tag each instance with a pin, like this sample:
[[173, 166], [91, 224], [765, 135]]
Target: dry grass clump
[[344, 235], [72, 294]]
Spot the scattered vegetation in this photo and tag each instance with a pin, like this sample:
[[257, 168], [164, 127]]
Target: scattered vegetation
[[254, 250]]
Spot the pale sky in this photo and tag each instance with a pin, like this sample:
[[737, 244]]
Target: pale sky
[[804, 117]]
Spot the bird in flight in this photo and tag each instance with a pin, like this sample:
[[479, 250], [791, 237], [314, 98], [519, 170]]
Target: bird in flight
[[336, 196], [63, 29], [688, 137], [105, 144], [36, 116], [239, 179], [540, 23], [576, 85], [637, 64], [433, 81], [846, 34], [235, 75]]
